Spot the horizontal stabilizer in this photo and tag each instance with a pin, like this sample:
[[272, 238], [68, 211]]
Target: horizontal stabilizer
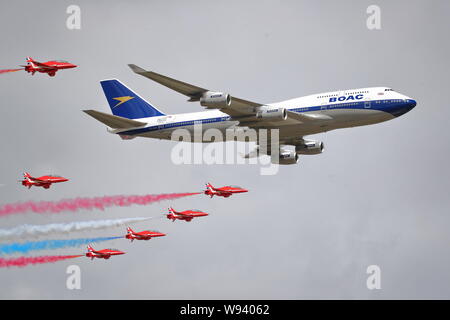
[[112, 121]]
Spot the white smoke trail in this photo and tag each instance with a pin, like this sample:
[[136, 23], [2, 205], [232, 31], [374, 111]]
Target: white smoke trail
[[28, 230]]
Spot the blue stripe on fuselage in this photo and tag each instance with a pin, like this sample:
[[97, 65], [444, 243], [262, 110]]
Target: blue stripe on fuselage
[[175, 124], [395, 107]]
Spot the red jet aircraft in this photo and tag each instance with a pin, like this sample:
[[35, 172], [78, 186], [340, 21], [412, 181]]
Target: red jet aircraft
[[49, 67], [102, 254], [143, 235], [223, 191], [44, 181], [187, 215]]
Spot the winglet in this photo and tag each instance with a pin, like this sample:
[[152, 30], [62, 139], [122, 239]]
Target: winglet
[[136, 69]]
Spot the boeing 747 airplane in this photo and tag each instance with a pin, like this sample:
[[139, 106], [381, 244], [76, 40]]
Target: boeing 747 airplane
[[296, 118]]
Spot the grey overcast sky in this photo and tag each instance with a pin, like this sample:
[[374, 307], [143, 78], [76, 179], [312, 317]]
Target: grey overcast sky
[[378, 195]]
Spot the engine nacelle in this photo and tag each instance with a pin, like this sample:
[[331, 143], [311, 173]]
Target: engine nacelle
[[275, 114], [310, 147], [287, 155], [215, 100]]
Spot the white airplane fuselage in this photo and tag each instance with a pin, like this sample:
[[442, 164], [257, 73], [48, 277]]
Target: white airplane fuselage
[[344, 109]]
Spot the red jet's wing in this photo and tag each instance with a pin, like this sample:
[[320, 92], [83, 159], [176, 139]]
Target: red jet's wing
[[144, 233], [183, 214], [43, 65], [39, 180], [101, 253]]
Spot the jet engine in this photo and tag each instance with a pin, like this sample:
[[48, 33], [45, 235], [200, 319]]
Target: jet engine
[[275, 114], [310, 147], [215, 100], [287, 155]]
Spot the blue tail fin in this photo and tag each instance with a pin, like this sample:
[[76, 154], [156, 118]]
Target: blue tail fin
[[125, 103]]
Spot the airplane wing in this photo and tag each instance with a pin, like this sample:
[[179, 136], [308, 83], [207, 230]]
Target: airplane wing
[[302, 117], [243, 111], [43, 65], [102, 253], [182, 214], [140, 235], [224, 193], [39, 180], [238, 108]]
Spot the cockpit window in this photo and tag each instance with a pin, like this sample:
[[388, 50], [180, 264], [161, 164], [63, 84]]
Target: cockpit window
[[388, 89]]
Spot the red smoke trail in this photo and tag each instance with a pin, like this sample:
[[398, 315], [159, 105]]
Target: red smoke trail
[[24, 261], [9, 70], [86, 203]]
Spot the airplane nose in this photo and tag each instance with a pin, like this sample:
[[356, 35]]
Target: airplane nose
[[404, 107], [410, 104]]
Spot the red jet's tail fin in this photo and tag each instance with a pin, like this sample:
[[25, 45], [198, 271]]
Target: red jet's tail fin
[[27, 176], [129, 230], [30, 61], [89, 248]]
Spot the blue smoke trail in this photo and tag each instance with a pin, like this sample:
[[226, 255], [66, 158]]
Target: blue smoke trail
[[26, 247]]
